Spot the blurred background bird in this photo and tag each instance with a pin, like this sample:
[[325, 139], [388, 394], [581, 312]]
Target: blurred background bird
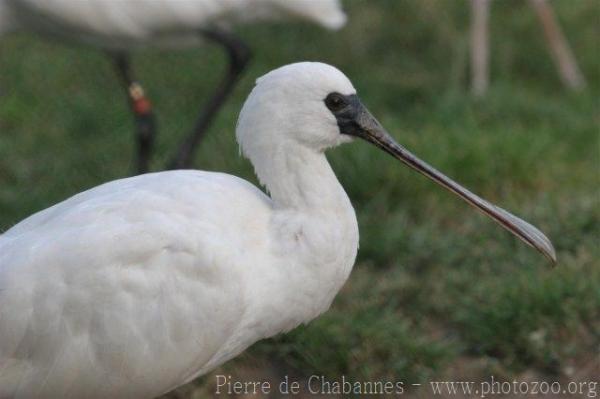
[[119, 27]]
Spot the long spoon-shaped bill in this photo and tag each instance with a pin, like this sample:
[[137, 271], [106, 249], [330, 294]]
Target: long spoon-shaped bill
[[373, 132]]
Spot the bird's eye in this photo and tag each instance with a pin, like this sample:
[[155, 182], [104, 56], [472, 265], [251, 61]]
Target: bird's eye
[[335, 102]]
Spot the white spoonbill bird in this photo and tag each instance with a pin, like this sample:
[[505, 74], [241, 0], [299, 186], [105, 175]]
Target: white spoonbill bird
[[120, 27], [137, 286]]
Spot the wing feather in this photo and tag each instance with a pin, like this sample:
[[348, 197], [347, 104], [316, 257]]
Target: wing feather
[[136, 280]]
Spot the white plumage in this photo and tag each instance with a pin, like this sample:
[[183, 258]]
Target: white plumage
[[137, 286], [122, 24]]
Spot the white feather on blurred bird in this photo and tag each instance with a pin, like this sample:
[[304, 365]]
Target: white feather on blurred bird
[[120, 27], [137, 286]]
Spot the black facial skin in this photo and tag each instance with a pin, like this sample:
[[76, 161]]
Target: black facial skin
[[351, 115], [346, 110]]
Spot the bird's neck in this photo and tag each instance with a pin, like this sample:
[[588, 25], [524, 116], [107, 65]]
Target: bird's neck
[[301, 179], [314, 237]]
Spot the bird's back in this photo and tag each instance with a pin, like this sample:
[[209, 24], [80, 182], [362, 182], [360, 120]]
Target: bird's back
[[110, 280], [127, 24], [116, 24]]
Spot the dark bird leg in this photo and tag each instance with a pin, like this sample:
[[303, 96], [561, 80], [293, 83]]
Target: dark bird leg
[[145, 123], [239, 55]]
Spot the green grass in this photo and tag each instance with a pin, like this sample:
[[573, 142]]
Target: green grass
[[436, 285]]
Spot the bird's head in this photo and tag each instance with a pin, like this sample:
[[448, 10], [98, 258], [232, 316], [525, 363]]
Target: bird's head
[[315, 106], [288, 106]]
